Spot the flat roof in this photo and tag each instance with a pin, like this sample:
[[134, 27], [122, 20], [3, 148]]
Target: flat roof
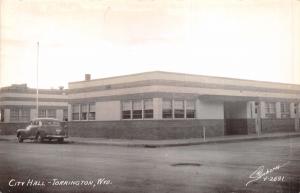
[[174, 76]]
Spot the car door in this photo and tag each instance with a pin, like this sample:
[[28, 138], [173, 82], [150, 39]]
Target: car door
[[33, 129]]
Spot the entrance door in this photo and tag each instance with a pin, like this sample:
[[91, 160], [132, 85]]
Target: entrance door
[[257, 118], [1, 115], [297, 116]]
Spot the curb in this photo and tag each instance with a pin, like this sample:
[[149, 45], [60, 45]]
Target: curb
[[186, 143], [153, 145]]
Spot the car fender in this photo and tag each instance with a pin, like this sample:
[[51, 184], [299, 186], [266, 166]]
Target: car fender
[[20, 132], [41, 132]]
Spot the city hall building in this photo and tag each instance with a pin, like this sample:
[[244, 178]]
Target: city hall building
[[162, 105]]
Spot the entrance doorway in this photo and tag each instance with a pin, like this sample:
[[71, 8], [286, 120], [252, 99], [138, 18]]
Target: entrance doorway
[[235, 115]]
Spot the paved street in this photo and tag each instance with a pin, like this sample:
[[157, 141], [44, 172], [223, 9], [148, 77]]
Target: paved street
[[52, 167]]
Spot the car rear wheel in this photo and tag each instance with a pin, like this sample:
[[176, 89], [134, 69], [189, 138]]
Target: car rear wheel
[[20, 139], [39, 138], [60, 140]]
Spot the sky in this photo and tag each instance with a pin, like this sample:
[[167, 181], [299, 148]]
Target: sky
[[246, 39]]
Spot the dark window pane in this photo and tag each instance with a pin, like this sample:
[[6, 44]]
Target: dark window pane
[[83, 116], [179, 113], [75, 116], [126, 114], [190, 113], [148, 114], [137, 114], [167, 113]]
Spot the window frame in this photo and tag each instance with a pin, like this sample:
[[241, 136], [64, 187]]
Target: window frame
[[18, 114], [90, 115], [268, 107], [125, 111], [167, 109], [187, 109], [75, 113], [148, 109], [142, 110], [137, 112], [285, 110], [175, 110]]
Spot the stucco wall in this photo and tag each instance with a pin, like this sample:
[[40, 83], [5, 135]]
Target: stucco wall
[[108, 110], [147, 129], [59, 114], [7, 115], [32, 114], [209, 109]]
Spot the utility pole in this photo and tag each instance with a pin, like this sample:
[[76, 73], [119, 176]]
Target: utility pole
[[37, 81]]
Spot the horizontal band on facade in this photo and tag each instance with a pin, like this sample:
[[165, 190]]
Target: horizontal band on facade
[[32, 99], [167, 95], [32, 91], [161, 82], [34, 107], [140, 96]]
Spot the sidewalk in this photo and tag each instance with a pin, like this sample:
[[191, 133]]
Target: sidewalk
[[167, 143]]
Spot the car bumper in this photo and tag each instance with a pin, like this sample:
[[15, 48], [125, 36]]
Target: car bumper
[[56, 136]]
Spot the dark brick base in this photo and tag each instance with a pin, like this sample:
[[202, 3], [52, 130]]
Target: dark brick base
[[11, 128], [278, 125], [247, 126], [163, 129], [251, 126], [147, 129]]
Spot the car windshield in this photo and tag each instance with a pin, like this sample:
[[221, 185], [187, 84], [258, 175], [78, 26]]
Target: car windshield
[[50, 122]]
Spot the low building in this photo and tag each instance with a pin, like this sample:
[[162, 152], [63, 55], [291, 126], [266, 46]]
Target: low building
[[18, 106], [157, 105], [164, 105]]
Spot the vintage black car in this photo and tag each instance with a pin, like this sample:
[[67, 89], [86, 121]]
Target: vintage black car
[[43, 128]]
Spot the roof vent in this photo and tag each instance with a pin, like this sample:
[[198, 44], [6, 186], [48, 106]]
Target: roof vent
[[87, 77]]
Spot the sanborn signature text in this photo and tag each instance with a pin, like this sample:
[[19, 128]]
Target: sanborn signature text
[[260, 173]]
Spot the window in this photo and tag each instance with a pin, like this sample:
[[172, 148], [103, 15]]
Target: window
[[167, 109], [24, 115], [48, 122], [137, 109], [51, 113], [65, 114], [75, 112], [19, 114], [179, 109], [14, 114], [92, 111], [84, 111], [2, 115], [137, 112], [190, 109], [42, 113], [270, 109], [148, 109], [285, 110], [126, 110]]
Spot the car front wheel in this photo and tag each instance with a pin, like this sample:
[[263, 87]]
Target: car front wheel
[[20, 139]]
